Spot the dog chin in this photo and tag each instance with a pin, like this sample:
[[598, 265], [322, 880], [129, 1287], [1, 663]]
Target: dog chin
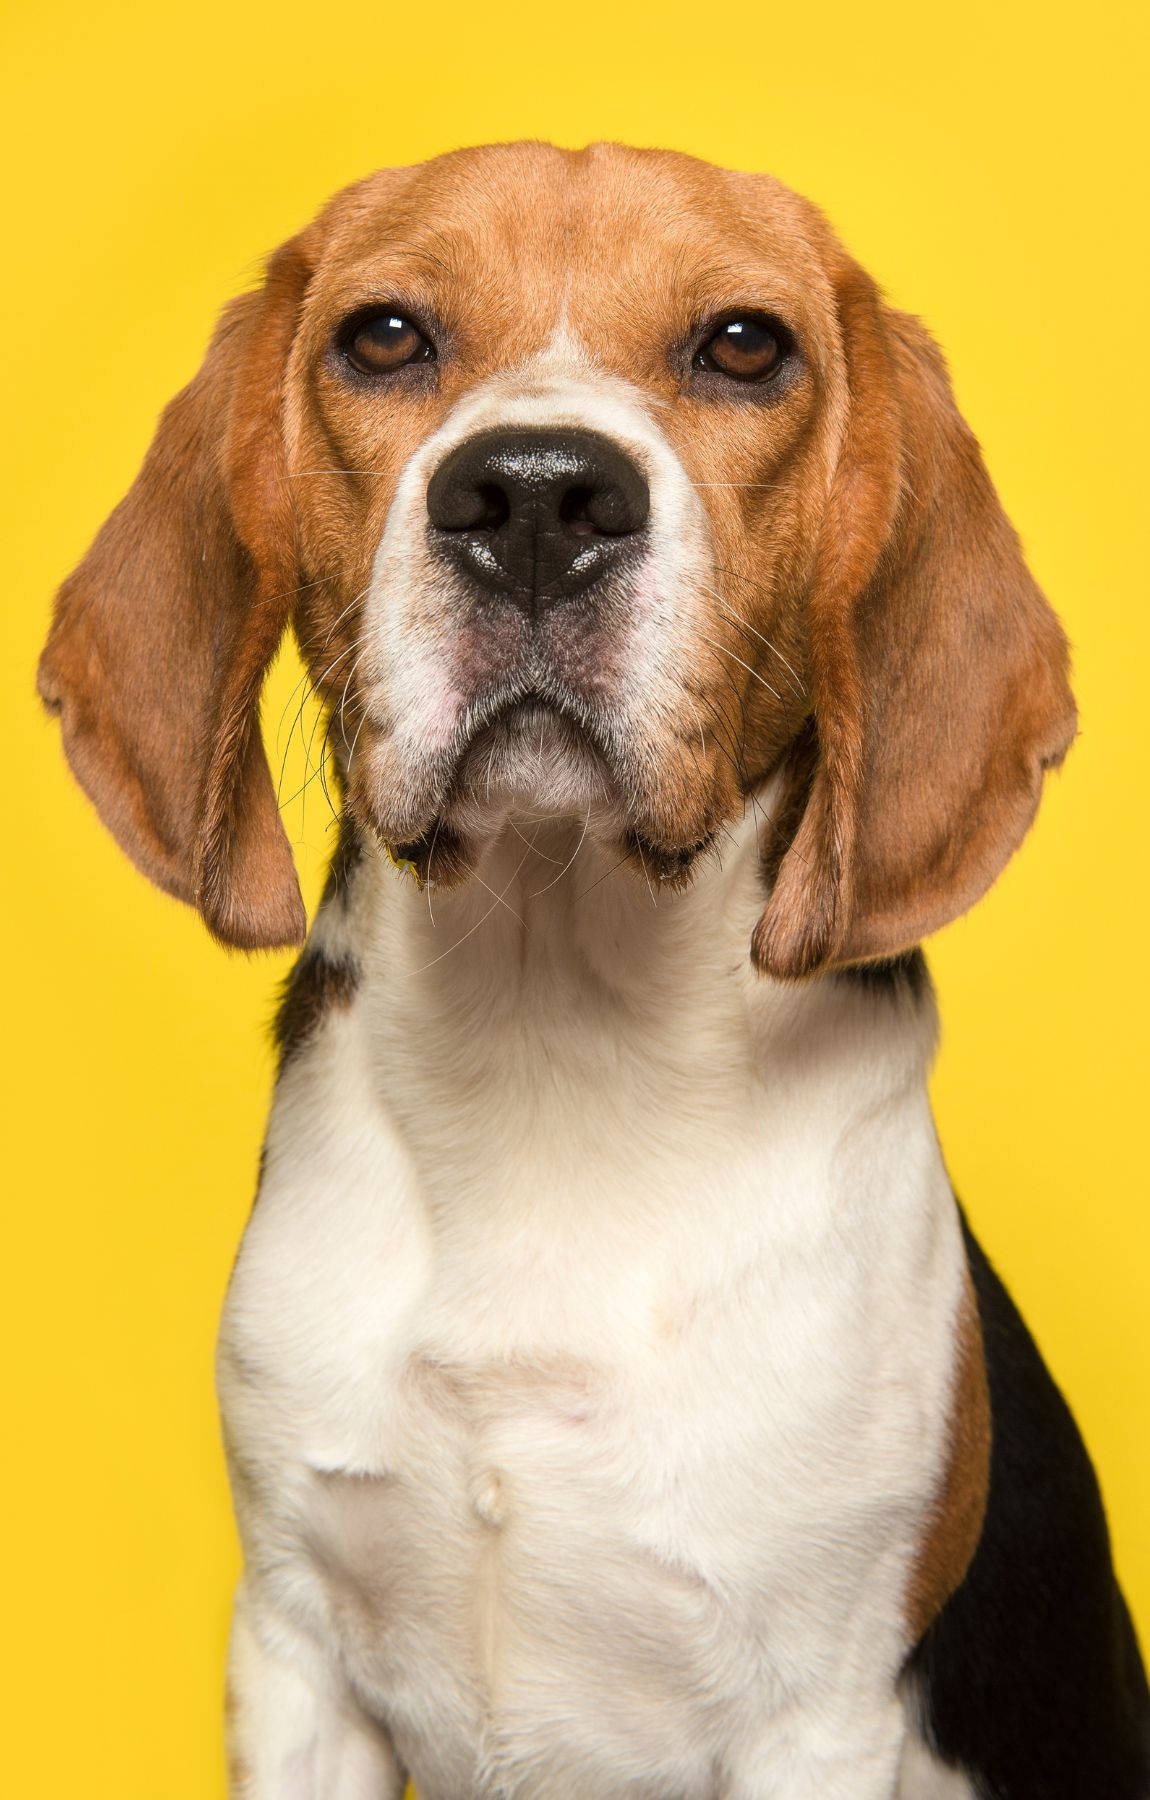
[[534, 765]]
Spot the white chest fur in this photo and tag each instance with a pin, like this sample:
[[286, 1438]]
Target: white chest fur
[[587, 1361]]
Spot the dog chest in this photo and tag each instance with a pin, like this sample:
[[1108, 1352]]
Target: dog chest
[[616, 1535], [557, 1546], [579, 1453]]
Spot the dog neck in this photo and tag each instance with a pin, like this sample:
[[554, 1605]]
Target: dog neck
[[559, 999], [578, 1092]]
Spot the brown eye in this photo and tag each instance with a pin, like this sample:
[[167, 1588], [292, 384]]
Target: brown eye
[[746, 349], [378, 342]]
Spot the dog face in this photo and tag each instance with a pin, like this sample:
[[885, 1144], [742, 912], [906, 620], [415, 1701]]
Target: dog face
[[600, 483], [576, 528]]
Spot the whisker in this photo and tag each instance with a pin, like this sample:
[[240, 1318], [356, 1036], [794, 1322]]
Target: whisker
[[739, 575], [774, 827], [646, 877], [290, 593], [723, 651], [300, 791], [746, 625], [551, 859], [506, 904], [326, 752], [343, 702], [724, 732], [626, 857], [297, 723], [313, 690], [355, 739], [728, 758], [354, 601], [557, 878], [310, 687], [740, 700], [355, 644], [305, 680], [427, 883], [480, 921]]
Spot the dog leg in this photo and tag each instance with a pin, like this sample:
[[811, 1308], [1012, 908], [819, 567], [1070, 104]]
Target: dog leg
[[294, 1731]]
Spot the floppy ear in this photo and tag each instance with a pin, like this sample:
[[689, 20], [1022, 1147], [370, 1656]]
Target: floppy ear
[[940, 691], [162, 637]]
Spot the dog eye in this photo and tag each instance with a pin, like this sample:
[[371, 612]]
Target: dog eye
[[376, 343], [746, 348]]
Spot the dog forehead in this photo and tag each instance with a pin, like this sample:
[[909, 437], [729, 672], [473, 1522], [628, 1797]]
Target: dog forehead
[[530, 230]]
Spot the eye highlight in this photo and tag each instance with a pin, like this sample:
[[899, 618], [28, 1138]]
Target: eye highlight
[[383, 340], [747, 347]]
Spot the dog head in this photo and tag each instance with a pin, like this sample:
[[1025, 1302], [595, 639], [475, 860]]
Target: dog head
[[600, 481]]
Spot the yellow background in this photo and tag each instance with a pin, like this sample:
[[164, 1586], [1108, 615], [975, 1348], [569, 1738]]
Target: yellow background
[[981, 160]]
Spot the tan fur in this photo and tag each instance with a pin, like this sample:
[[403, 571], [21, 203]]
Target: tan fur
[[239, 1775], [956, 1522]]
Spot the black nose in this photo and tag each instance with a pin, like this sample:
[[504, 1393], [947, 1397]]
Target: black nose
[[537, 514]]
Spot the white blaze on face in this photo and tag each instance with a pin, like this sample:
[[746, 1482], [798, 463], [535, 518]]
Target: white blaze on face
[[421, 669]]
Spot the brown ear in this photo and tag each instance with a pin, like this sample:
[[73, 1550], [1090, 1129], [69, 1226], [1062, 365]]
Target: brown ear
[[162, 637], [940, 673]]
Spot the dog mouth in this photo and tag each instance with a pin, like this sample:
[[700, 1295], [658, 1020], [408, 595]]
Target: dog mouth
[[535, 759], [537, 749]]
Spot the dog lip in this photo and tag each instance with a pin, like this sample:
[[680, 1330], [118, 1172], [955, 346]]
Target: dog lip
[[522, 731], [528, 711], [671, 863]]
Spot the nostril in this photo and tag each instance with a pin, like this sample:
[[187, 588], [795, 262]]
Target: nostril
[[494, 508], [462, 505], [575, 512], [605, 508]]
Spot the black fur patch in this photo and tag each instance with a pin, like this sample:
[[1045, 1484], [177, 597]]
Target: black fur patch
[[1030, 1678], [320, 981], [894, 977], [315, 985]]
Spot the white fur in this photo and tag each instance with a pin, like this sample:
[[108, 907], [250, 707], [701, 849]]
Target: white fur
[[587, 1361]]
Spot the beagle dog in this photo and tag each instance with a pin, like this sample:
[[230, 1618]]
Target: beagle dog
[[616, 1401]]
